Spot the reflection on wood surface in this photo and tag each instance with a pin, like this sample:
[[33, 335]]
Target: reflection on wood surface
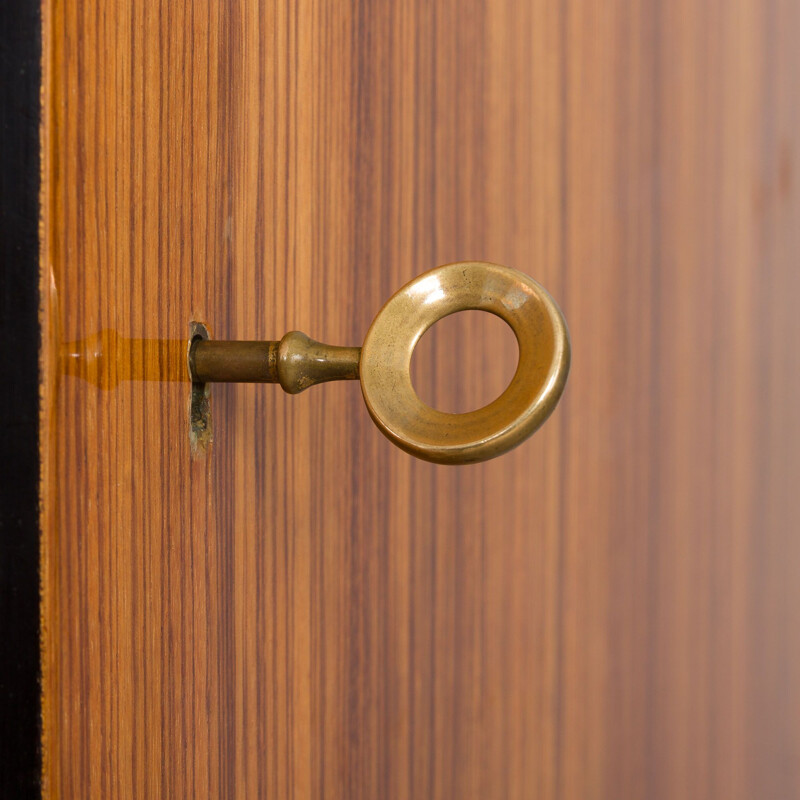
[[105, 359]]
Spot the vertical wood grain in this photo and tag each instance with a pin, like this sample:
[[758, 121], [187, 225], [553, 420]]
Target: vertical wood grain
[[608, 611]]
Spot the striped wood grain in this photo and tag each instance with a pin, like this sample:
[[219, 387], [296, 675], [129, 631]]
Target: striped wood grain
[[611, 611]]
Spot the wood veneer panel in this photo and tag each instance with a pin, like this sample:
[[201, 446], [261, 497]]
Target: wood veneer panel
[[609, 611]]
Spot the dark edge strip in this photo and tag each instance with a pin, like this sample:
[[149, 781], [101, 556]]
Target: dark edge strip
[[20, 79]]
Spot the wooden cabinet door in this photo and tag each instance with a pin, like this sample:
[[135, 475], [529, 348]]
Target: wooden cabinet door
[[302, 610]]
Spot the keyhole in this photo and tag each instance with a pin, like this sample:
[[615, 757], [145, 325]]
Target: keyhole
[[464, 361]]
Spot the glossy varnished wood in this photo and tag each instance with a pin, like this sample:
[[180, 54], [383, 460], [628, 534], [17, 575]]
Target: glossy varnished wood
[[608, 611]]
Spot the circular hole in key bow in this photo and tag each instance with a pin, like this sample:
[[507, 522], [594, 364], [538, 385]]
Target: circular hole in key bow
[[464, 361]]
